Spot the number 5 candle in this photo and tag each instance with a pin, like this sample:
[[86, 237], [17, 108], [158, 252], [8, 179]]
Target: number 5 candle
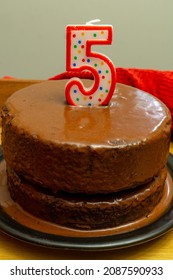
[[80, 57]]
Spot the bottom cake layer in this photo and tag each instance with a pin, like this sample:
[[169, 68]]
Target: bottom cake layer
[[83, 211]]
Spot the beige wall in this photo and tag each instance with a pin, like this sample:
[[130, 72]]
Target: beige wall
[[32, 33]]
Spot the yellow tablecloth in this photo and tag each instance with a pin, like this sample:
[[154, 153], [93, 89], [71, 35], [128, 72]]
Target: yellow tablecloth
[[159, 248]]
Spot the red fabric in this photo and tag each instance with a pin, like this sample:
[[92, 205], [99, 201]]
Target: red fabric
[[158, 83]]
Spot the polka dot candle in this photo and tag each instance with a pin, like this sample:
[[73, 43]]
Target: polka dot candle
[[80, 57]]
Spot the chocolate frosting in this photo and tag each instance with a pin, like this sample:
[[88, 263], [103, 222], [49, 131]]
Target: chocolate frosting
[[132, 116], [84, 149]]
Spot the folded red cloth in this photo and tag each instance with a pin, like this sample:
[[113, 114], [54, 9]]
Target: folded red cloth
[[158, 83]]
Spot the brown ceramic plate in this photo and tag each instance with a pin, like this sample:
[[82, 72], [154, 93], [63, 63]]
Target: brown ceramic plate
[[10, 224]]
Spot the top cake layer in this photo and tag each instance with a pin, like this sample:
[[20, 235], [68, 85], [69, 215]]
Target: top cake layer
[[85, 149]]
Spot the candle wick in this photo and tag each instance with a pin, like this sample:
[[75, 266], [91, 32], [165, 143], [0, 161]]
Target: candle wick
[[93, 21]]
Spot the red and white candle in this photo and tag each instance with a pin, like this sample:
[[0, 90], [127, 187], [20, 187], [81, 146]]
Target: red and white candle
[[80, 57]]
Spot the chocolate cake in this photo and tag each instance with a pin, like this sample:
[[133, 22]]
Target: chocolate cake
[[85, 167]]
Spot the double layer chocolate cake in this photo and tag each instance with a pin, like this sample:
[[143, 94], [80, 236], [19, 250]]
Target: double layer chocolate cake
[[86, 167]]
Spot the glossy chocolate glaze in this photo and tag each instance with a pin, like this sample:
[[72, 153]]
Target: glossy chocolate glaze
[[90, 150]]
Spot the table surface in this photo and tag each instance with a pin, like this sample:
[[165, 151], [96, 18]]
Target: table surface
[[160, 248]]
